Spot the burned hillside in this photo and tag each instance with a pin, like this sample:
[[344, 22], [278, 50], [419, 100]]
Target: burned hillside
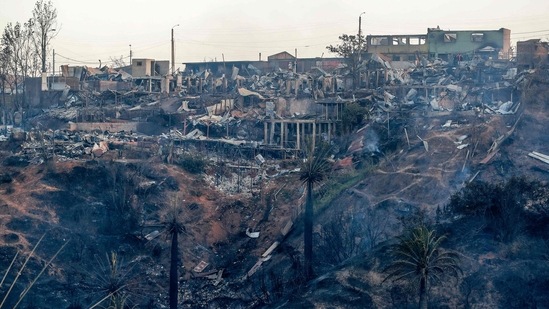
[[107, 158]]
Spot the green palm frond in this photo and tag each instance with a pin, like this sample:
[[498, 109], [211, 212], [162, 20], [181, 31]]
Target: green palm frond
[[417, 255]]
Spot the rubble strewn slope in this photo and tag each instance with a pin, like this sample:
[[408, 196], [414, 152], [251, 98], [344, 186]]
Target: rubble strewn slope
[[415, 182], [111, 192]]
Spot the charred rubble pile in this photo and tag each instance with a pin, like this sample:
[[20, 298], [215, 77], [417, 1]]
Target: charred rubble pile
[[39, 146], [485, 86], [254, 109]]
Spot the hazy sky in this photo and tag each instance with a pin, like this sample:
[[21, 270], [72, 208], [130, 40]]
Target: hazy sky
[[241, 29]]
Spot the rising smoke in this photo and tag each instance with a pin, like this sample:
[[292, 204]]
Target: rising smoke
[[371, 142]]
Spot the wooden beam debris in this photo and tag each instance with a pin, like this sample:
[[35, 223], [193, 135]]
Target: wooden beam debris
[[152, 235], [271, 249], [425, 144], [473, 178], [200, 267], [540, 156], [495, 145], [407, 139]]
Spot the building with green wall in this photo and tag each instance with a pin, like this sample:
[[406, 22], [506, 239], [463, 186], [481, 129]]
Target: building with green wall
[[464, 44], [449, 45]]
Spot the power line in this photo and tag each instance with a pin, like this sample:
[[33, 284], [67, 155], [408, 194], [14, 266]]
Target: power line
[[266, 42], [538, 36], [529, 32], [247, 31], [74, 60]]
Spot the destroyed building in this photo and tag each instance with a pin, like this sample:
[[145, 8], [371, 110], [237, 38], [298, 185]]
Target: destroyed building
[[444, 44], [279, 61], [532, 53], [280, 103], [398, 47]]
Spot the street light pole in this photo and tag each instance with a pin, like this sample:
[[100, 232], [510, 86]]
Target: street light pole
[[360, 34], [173, 51]]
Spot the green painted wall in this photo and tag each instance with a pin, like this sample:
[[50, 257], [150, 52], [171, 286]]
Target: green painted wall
[[445, 42]]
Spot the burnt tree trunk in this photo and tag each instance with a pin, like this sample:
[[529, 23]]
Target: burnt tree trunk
[[174, 280], [308, 232], [423, 293]]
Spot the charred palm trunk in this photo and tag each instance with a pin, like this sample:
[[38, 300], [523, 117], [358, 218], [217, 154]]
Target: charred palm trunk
[[423, 293], [308, 232], [174, 280]]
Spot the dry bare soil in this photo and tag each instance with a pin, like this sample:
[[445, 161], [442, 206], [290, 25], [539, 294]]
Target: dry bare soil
[[109, 205]]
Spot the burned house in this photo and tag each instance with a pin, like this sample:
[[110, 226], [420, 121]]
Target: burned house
[[532, 53], [448, 45], [218, 68], [398, 47], [151, 75], [281, 61], [463, 44], [150, 67]]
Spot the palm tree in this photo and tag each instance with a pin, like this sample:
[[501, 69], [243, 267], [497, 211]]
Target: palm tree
[[173, 226], [418, 258], [114, 281], [313, 171]]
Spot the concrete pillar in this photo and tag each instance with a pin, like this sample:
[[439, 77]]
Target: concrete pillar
[[271, 137], [298, 137], [44, 82], [265, 133], [179, 82], [314, 136], [288, 87], [286, 125], [282, 134], [165, 85]]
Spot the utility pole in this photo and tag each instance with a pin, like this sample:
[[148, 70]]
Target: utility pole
[[295, 62], [173, 51], [53, 75], [360, 35], [359, 50], [130, 55]]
